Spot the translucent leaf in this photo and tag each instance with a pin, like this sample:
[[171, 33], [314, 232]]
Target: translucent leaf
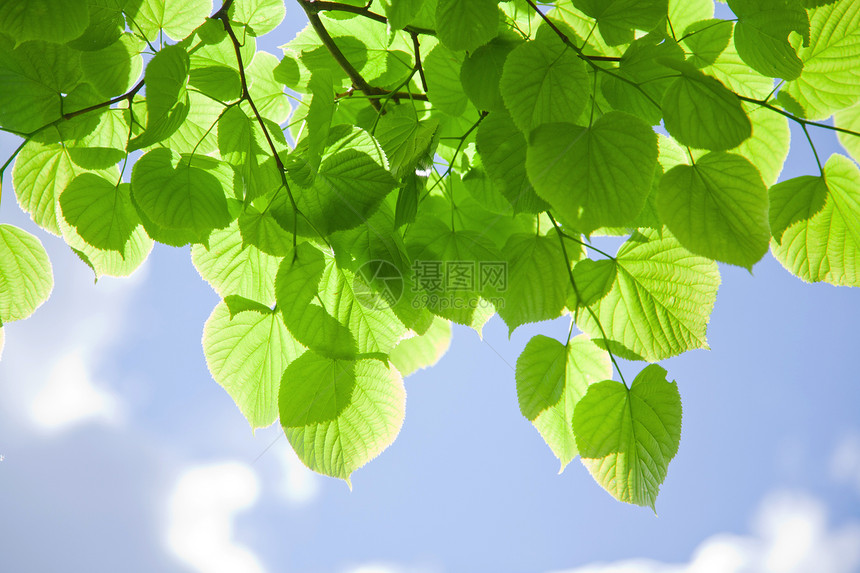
[[100, 210], [707, 40], [362, 430], [597, 176], [214, 67], [627, 437], [699, 111], [551, 379], [233, 268], [661, 300], [267, 92], [166, 96], [243, 145], [178, 18], [197, 133], [247, 355], [104, 146], [482, 71], [106, 26], [826, 246], [544, 82], [115, 69], [682, 13], [736, 75], [297, 287], [400, 13], [262, 230], [259, 16], [795, 200], [593, 280], [617, 18], [761, 35], [503, 152], [849, 119], [26, 277], [768, 147], [831, 78], [320, 113], [717, 208], [466, 25], [444, 88], [183, 192], [315, 389], [538, 283], [109, 263], [33, 78], [422, 351], [55, 21], [405, 139]]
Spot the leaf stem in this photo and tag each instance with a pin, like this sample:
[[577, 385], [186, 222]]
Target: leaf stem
[[561, 236], [814, 151], [793, 117]]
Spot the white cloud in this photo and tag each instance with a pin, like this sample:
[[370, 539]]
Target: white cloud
[[71, 396], [298, 485], [790, 534], [845, 461], [203, 506]]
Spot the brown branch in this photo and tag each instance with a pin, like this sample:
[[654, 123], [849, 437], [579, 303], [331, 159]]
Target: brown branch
[[129, 95], [417, 45], [393, 95], [357, 79], [317, 6]]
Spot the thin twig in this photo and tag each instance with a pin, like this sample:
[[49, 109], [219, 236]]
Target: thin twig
[[417, 45]]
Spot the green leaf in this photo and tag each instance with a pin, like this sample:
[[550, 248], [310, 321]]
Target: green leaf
[[196, 134], [100, 210], [214, 67], [544, 82], [444, 88], [627, 437], [33, 78], [761, 35], [466, 25], [297, 287], [597, 176], [51, 20], [849, 119], [826, 245], [422, 351], [736, 75], [107, 24], [167, 102], [109, 263], [320, 114], [538, 281], [115, 69], [178, 18], [259, 16], [795, 200], [247, 355], [551, 379], [503, 152], [26, 277], [699, 111], [315, 389], [401, 13], [482, 72], [717, 208], [267, 93], [347, 190], [683, 13], [104, 146], [707, 39], [831, 78], [618, 18], [262, 230], [768, 147], [593, 280], [405, 139], [365, 427], [236, 269], [243, 145], [661, 300], [179, 192]]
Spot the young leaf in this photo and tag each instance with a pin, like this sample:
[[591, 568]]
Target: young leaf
[[761, 35], [627, 437], [699, 111], [233, 268], [544, 82], [365, 427], [100, 210], [538, 282], [26, 277], [183, 192], [167, 104], [661, 299], [315, 389], [422, 351], [51, 20], [551, 379], [596, 176], [259, 16], [618, 18], [113, 70], [178, 18], [717, 208], [466, 25], [824, 246], [247, 354], [482, 72]]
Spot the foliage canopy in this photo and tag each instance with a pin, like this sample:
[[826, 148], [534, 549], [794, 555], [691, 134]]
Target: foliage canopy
[[441, 161]]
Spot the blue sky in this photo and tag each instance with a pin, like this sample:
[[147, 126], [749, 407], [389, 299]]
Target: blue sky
[[121, 453]]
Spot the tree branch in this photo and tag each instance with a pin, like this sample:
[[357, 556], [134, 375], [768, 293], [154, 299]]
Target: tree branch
[[417, 45], [317, 6], [800, 120]]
